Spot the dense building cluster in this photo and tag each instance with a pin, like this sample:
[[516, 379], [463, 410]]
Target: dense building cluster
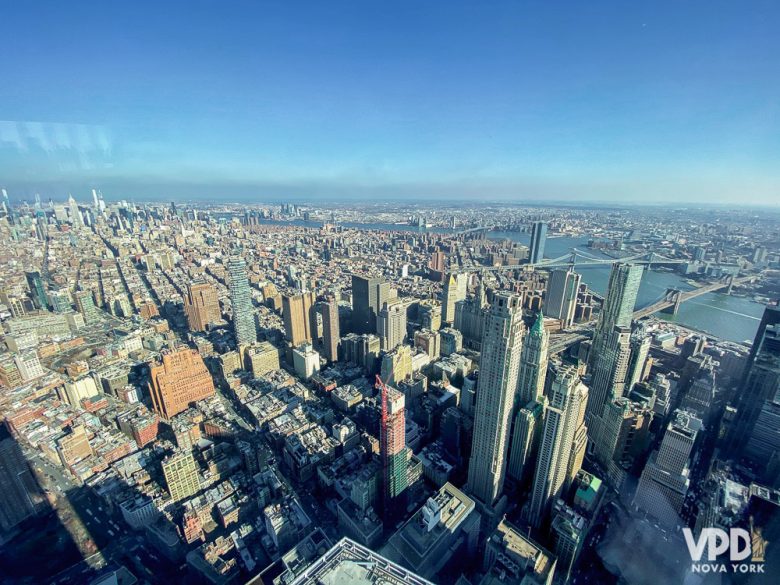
[[362, 395]]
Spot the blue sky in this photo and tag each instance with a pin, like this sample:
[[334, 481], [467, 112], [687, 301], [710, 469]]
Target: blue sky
[[530, 101]]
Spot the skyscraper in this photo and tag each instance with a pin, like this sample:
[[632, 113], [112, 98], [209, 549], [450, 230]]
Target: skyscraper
[[561, 448], [609, 369], [502, 344], [368, 297], [665, 479], [18, 489], [526, 430], [331, 336], [610, 352], [37, 290], [299, 318], [241, 302], [391, 324], [561, 300], [533, 363], [761, 381], [201, 306], [619, 301], [538, 237], [181, 379], [392, 446], [455, 288]]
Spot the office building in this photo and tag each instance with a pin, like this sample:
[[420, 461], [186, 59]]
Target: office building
[[512, 557], [201, 306], [241, 302], [761, 380], [368, 297], [19, 493], [85, 304], [261, 358], [180, 380], [396, 365], [353, 563], [37, 290], [445, 526], [538, 237], [29, 365], [470, 316], [181, 475], [561, 447], [526, 430], [533, 363], [561, 300], [451, 340], [306, 361], [429, 314], [300, 321], [666, 477], [609, 362], [502, 345], [455, 289], [331, 335], [391, 324]]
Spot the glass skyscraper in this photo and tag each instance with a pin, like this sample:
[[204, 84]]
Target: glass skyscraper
[[241, 302]]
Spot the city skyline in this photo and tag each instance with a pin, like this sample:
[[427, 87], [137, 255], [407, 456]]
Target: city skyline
[[524, 103]]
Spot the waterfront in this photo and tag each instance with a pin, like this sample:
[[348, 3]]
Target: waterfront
[[724, 316], [728, 317]]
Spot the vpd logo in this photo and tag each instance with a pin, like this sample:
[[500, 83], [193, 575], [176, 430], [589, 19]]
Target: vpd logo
[[717, 542]]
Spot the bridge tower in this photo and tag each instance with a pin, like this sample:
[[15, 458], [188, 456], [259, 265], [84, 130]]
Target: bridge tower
[[730, 281], [675, 297]]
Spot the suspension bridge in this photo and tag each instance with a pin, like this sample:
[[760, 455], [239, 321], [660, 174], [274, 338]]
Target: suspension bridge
[[577, 258]]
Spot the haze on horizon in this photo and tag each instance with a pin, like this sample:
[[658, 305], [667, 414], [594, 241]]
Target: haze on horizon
[[603, 101]]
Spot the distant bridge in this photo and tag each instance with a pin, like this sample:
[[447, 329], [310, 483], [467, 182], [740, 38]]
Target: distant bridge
[[570, 259], [673, 298], [670, 303]]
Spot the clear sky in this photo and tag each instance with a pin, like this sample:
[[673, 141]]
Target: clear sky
[[636, 101]]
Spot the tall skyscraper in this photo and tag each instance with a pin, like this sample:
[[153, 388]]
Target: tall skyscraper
[[665, 479], [562, 447], [455, 289], [561, 300], [611, 352], [181, 475], [300, 323], [502, 344], [609, 369], [181, 379], [201, 306], [73, 210], [533, 363], [392, 446], [37, 290], [761, 382], [538, 237], [526, 430], [241, 302], [619, 301], [368, 297], [331, 335], [391, 324], [18, 490]]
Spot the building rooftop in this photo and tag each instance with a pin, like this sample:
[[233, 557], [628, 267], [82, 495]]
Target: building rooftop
[[349, 563]]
